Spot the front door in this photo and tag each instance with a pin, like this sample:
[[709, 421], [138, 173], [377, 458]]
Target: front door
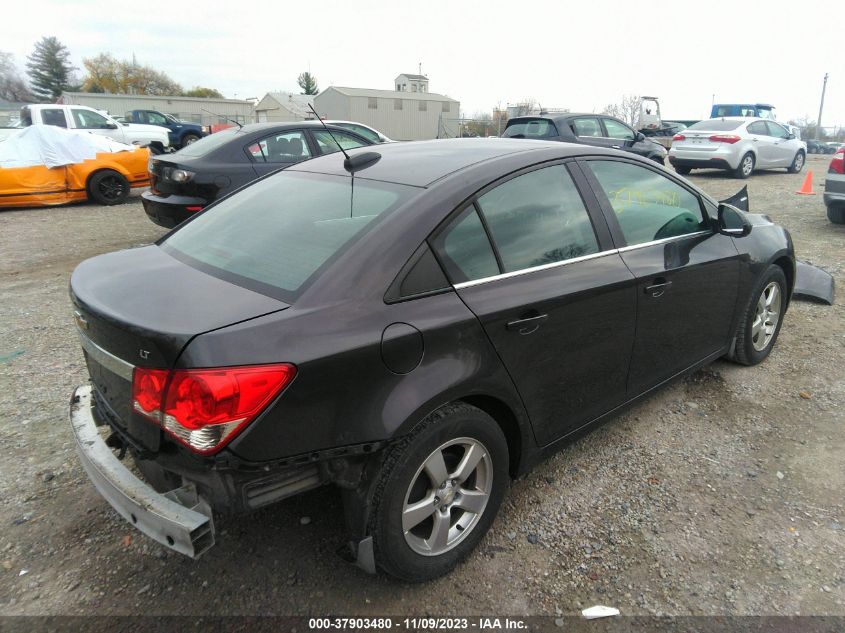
[[556, 301], [763, 143], [687, 273]]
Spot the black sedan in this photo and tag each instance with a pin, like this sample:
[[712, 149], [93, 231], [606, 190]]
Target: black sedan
[[599, 130], [183, 183], [416, 326]]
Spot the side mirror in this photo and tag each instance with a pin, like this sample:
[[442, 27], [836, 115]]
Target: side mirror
[[110, 126], [732, 221], [639, 137], [790, 137]]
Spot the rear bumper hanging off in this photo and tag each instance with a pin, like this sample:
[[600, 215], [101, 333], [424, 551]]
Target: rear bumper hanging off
[[180, 519]]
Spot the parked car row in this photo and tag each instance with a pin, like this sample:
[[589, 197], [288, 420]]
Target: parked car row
[[820, 147]]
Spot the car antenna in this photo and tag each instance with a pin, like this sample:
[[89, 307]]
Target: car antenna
[[220, 116], [350, 163]]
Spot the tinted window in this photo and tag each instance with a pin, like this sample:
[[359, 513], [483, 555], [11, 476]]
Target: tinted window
[[276, 233], [648, 205], [287, 147], [53, 117], [716, 125], [209, 143], [464, 250], [328, 145], [758, 127], [531, 128], [586, 126], [538, 218], [616, 130]]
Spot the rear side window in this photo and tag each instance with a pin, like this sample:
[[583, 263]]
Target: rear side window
[[287, 147], [647, 205], [758, 127], [464, 249], [275, 234], [538, 218], [531, 128], [586, 126]]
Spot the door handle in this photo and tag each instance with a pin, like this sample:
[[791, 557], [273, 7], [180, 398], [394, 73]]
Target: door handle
[[527, 325], [616, 146], [658, 288]]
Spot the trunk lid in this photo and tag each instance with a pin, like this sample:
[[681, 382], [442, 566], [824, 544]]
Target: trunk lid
[[139, 308]]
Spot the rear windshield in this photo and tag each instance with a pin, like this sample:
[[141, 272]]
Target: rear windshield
[[274, 235], [716, 125], [531, 128], [208, 143]]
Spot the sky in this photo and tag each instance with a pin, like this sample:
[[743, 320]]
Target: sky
[[577, 55]]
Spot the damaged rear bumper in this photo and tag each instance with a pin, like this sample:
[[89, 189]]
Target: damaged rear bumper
[[180, 519]]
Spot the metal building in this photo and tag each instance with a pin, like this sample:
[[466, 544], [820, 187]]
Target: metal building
[[284, 106], [193, 109], [401, 115]]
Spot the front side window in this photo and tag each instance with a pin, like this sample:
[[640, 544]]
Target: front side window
[[538, 218], [586, 126], [275, 234], [155, 118], [287, 147], [85, 119], [329, 145], [616, 130], [366, 132], [776, 130], [647, 204], [464, 250]]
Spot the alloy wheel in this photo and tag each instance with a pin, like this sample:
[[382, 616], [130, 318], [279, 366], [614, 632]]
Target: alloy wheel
[[747, 165], [766, 316], [447, 496], [111, 188]]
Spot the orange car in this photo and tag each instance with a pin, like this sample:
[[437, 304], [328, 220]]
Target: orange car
[[106, 179]]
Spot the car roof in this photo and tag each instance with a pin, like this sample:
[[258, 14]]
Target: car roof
[[421, 163], [257, 127], [559, 117]]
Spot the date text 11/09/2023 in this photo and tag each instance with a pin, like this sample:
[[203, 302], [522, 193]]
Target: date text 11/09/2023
[[414, 624]]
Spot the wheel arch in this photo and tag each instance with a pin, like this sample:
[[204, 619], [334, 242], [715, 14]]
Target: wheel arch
[[508, 422]]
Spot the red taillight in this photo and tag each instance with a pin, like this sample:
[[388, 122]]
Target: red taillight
[[837, 165], [193, 209], [725, 138], [204, 409], [679, 137]]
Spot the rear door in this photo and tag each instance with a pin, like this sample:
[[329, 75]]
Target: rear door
[[687, 274], [530, 259], [278, 150]]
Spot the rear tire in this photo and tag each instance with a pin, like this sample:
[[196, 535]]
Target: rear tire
[[760, 324], [420, 527], [797, 163], [684, 171], [746, 166], [836, 215], [108, 187]]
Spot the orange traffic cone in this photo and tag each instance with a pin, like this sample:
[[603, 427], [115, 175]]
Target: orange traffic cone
[[807, 188]]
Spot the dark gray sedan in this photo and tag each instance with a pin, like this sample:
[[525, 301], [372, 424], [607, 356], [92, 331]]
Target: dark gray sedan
[[416, 326]]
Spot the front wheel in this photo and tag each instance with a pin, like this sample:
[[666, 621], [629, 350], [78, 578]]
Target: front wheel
[[108, 187], [797, 164], [746, 166], [438, 492], [760, 325]]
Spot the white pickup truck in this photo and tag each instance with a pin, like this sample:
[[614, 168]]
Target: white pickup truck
[[77, 117]]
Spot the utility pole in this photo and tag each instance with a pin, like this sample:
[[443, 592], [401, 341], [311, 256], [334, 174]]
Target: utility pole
[[821, 107]]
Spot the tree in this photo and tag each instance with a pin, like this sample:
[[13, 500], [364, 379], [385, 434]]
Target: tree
[[49, 69], [205, 93], [12, 86], [107, 74], [308, 83], [627, 110]]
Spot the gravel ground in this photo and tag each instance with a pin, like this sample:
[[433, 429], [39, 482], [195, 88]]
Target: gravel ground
[[720, 495]]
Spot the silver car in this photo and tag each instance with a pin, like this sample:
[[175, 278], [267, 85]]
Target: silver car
[[834, 188], [737, 144]]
